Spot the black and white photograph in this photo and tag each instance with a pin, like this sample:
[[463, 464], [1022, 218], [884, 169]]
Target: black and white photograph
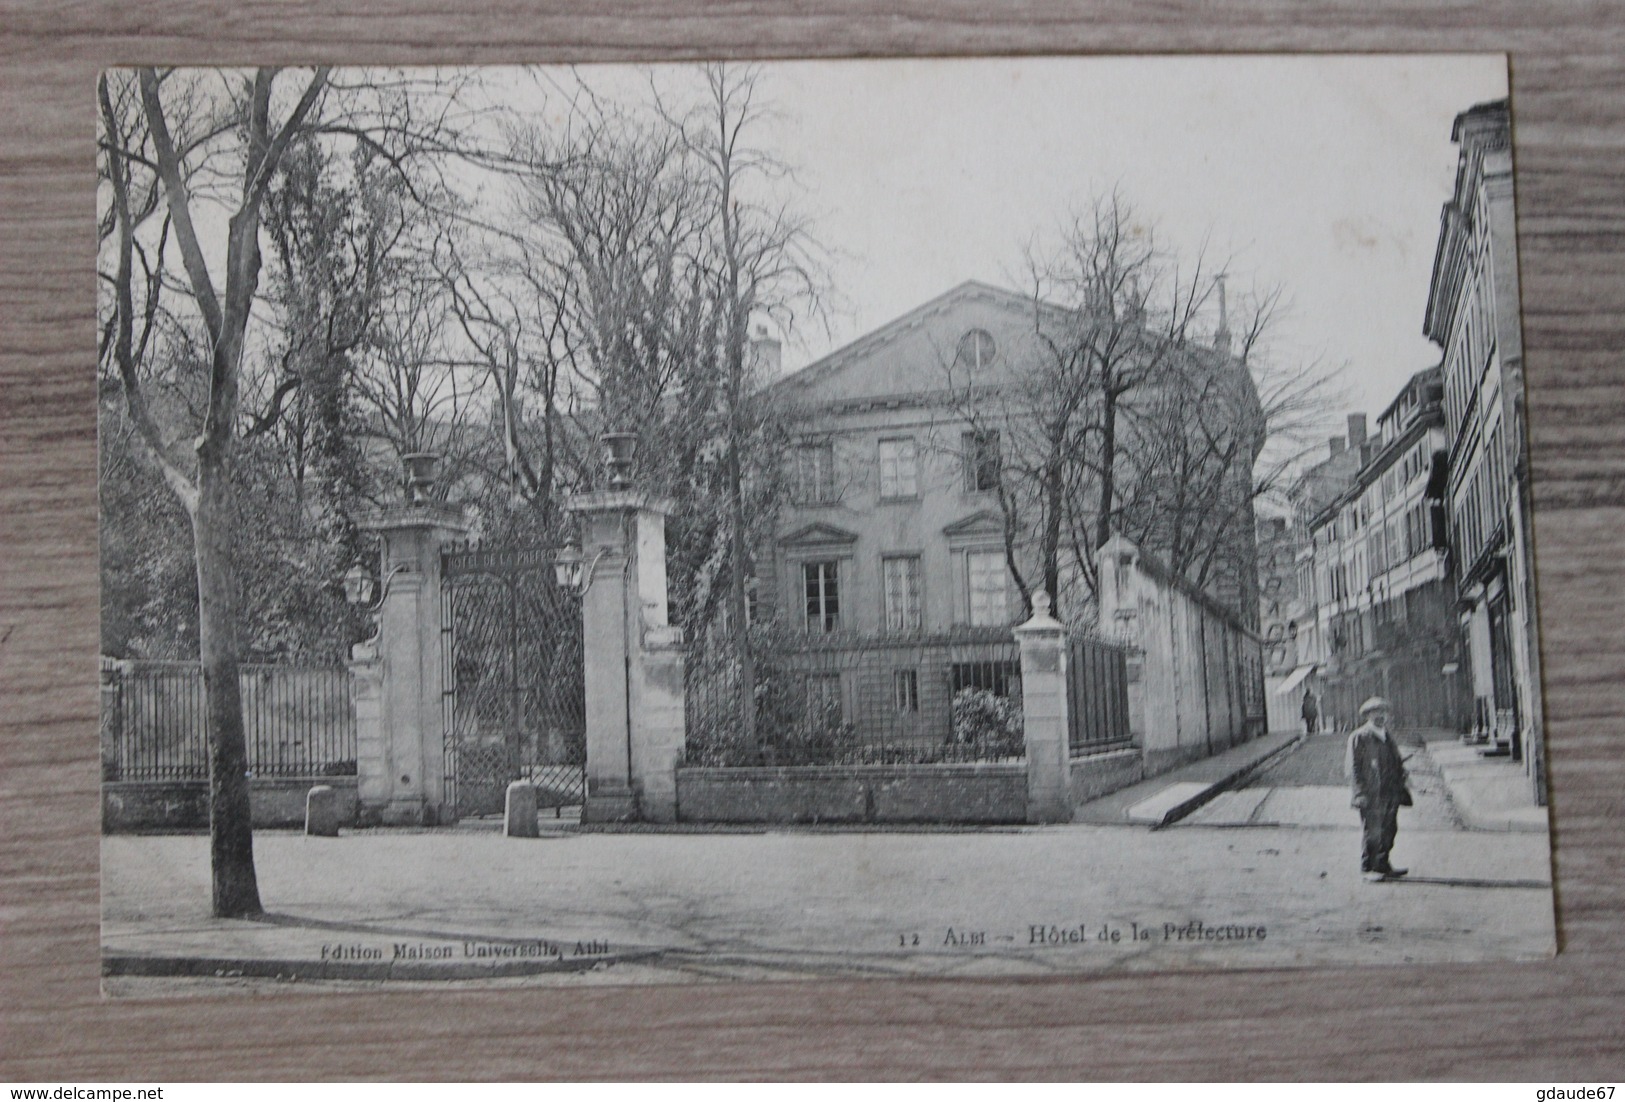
[[717, 522]]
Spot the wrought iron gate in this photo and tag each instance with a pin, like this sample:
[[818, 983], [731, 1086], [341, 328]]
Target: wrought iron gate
[[514, 704]]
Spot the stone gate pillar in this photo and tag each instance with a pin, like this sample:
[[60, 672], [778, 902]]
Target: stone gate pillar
[[398, 675], [1042, 641], [633, 658]]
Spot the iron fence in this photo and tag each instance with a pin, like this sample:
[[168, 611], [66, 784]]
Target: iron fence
[[297, 721], [850, 700], [1097, 694]]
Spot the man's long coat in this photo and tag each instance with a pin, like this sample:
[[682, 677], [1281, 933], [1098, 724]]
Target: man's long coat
[[1376, 771]]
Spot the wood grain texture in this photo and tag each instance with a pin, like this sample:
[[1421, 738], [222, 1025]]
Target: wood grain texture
[[1551, 1021]]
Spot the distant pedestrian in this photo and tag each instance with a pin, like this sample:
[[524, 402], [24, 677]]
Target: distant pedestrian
[[1377, 773], [1311, 712]]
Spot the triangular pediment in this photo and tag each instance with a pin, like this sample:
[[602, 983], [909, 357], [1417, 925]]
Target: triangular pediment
[[819, 535], [982, 523], [916, 354]]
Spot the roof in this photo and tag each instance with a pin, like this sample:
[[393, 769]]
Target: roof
[[1491, 109], [1437, 371], [894, 365], [876, 339]]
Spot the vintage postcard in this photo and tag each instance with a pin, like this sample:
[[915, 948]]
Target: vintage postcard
[[929, 518]]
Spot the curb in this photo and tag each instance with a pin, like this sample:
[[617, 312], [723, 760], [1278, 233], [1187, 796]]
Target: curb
[[1224, 784], [1530, 820], [286, 969], [1457, 777]]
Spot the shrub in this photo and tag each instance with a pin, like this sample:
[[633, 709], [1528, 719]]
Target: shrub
[[820, 738], [988, 722]]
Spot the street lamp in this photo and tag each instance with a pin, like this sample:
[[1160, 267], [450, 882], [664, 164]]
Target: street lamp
[[362, 589], [567, 568], [572, 572]]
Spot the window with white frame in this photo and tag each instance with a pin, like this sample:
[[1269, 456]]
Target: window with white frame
[[981, 458], [900, 582], [815, 473], [899, 468], [988, 589], [822, 583]]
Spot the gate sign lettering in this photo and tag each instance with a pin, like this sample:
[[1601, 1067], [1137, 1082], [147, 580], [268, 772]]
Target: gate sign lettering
[[495, 561]]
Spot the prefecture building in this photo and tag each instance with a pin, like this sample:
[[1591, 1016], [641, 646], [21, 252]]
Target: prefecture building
[[891, 558]]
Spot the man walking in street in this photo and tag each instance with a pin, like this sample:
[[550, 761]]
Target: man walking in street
[[1311, 712], [1378, 775]]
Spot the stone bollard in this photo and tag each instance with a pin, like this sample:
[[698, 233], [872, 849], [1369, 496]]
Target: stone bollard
[[519, 816], [322, 811]]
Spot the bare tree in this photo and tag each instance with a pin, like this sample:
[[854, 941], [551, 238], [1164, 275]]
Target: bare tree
[[183, 154], [1109, 315], [1221, 431], [760, 261], [1141, 412], [420, 393], [164, 137], [615, 216]]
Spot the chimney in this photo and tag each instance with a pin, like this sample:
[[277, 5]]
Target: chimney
[[1335, 445], [765, 352], [1221, 339], [1356, 429]]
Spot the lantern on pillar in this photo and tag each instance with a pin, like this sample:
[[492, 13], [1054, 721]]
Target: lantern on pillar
[[362, 590], [573, 572], [567, 568], [358, 585]]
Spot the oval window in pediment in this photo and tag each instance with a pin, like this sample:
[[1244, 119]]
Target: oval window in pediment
[[976, 349]]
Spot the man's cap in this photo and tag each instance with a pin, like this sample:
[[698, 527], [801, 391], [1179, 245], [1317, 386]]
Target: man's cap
[[1373, 704]]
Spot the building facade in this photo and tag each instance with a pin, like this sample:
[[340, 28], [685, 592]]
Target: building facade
[[893, 525], [1377, 573], [892, 560], [1296, 650], [1472, 315]]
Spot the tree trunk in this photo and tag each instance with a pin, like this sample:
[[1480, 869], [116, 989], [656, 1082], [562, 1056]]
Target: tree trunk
[[231, 840], [738, 543], [738, 604], [1050, 543], [1108, 470]]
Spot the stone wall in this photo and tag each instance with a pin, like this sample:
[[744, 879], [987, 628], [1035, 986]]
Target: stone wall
[[133, 806], [960, 793], [1096, 775], [1198, 687]]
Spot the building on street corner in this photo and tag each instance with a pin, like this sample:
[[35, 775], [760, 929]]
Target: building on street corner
[[1472, 315]]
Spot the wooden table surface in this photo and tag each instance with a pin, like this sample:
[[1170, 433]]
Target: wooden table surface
[[1552, 1022]]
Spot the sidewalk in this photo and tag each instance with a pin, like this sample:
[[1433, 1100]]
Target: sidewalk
[[1488, 793], [1169, 797]]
